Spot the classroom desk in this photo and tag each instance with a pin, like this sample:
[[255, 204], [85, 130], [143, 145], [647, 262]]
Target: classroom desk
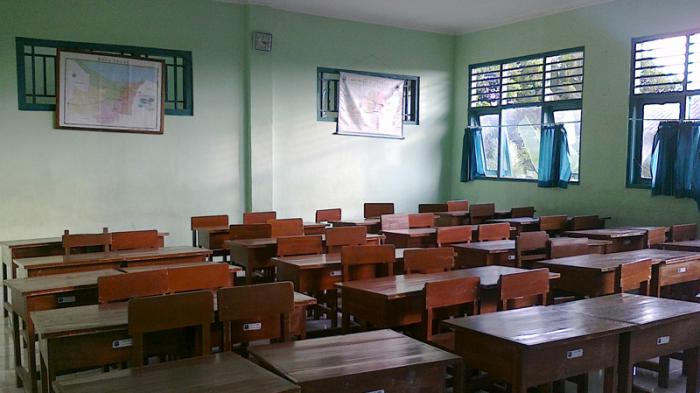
[[521, 224], [214, 238], [397, 300], [372, 224], [623, 239], [410, 238], [30, 295], [497, 252], [41, 266], [594, 274], [688, 245], [659, 327], [453, 218], [376, 361], [225, 372], [91, 336], [536, 345], [595, 246]]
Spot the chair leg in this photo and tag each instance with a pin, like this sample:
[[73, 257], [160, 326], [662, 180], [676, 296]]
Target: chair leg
[[664, 371]]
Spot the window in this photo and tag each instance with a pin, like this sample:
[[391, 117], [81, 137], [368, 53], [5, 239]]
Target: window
[[511, 99], [327, 100], [36, 84], [665, 85]]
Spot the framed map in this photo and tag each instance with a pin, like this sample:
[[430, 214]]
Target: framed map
[[109, 92]]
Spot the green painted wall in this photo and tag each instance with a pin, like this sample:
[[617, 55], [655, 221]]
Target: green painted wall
[[606, 32]]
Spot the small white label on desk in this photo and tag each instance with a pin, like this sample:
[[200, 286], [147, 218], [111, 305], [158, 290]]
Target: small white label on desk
[[511, 257], [252, 326], [682, 269], [336, 273], [663, 340], [126, 342], [66, 299], [377, 391], [576, 353]]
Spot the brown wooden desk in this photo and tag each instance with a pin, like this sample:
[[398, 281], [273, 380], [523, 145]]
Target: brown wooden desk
[[594, 274], [453, 218], [372, 224], [521, 224], [497, 252], [623, 239], [397, 300], [225, 372], [91, 336], [537, 345], [378, 361], [413, 237], [595, 246], [688, 245]]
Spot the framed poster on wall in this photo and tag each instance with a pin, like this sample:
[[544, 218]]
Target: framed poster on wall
[[106, 92]]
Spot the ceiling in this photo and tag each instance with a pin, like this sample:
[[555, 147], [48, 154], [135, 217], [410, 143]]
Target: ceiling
[[441, 16]]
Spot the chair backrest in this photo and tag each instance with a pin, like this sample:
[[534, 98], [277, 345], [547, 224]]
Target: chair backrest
[[328, 215], [249, 231], [527, 211], [428, 260], [523, 289], [258, 217], [133, 240], [286, 227], [196, 222], [168, 312], [456, 234], [102, 240], [457, 206], [530, 246], [567, 247], [338, 237], [362, 262], [448, 293], [121, 287], [204, 276], [633, 276], [299, 245], [394, 221], [580, 223], [553, 224], [655, 236], [481, 212], [683, 232], [376, 210], [673, 273], [256, 312], [432, 207], [421, 220], [488, 232]]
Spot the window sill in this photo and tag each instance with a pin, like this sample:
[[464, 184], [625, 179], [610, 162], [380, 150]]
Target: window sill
[[508, 179]]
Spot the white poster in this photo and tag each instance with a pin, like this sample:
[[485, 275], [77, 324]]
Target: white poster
[[370, 105]]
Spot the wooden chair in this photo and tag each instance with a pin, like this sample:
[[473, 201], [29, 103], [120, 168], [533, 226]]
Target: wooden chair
[[97, 240], [169, 312], [452, 235], [121, 287], [517, 212], [553, 225], [197, 222], [479, 213], [134, 240], [286, 227], [581, 223], [448, 294], [255, 312], [299, 245], [258, 217], [363, 262], [421, 220], [432, 207], [376, 210], [490, 232], [328, 215], [428, 260], [683, 232], [338, 237], [204, 276], [530, 247], [457, 206], [249, 231], [567, 248], [394, 221], [633, 276], [655, 236], [518, 290]]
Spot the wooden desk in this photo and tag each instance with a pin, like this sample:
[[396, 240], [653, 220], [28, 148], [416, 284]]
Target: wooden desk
[[595, 246], [91, 336], [521, 224], [372, 224], [537, 345], [215, 238], [497, 252], [397, 300], [453, 218], [594, 274], [688, 245], [225, 372], [375, 361], [414, 237], [660, 327], [623, 239]]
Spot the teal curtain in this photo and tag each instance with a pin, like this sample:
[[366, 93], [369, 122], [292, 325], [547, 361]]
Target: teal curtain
[[473, 163], [555, 165], [675, 160]]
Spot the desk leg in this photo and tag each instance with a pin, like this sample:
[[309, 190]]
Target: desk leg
[[4, 288], [17, 344], [31, 356], [625, 366], [459, 381], [609, 379], [692, 361]]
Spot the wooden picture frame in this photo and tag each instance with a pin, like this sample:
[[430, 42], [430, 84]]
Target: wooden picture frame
[[107, 92]]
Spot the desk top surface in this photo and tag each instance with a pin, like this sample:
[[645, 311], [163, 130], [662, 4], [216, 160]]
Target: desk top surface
[[688, 245], [495, 246], [133, 269], [32, 242], [271, 241], [322, 260], [609, 262], [516, 220], [58, 282], [454, 213], [358, 221], [610, 233], [591, 242], [412, 232]]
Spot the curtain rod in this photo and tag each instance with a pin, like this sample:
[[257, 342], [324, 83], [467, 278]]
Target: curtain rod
[[529, 124], [680, 120]]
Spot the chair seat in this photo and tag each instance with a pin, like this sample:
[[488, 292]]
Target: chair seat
[[444, 341]]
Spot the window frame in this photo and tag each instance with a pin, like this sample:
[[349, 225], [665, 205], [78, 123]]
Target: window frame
[[547, 107], [638, 101]]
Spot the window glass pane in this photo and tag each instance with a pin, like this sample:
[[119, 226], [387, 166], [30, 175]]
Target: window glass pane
[[660, 65], [489, 132], [521, 142], [572, 123], [654, 112], [692, 109]]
